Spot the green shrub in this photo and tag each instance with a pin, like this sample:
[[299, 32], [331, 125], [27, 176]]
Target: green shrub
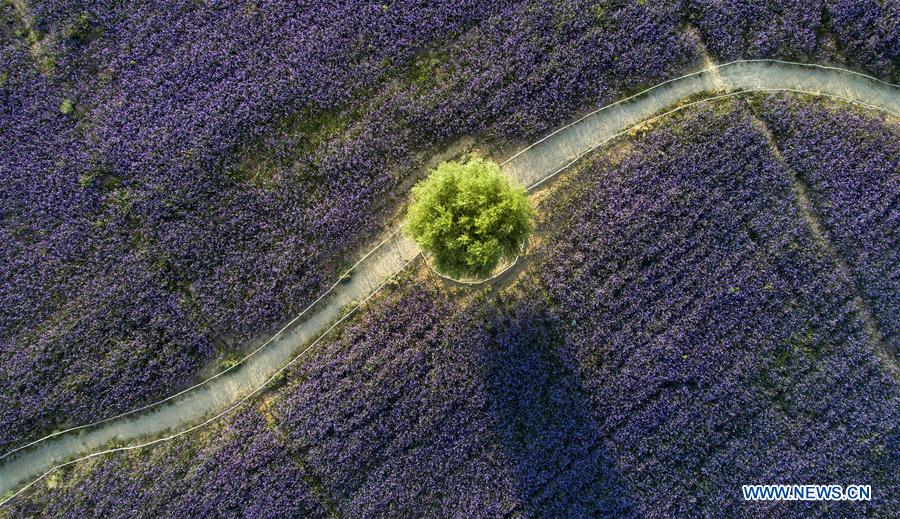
[[67, 106], [469, 217]]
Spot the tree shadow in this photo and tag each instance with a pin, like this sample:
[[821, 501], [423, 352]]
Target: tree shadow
[[552, 448]]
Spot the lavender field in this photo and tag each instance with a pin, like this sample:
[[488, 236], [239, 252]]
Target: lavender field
[[706, 303], [243, 194], [680, 330]]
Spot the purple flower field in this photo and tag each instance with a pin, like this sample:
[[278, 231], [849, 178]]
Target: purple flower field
[[711, 328], [679, 330], [245, 166], [219, 163], [178, 179], [865, 32], [245, 472], [851, 162]]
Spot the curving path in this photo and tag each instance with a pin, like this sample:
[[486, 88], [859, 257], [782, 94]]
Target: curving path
[[211, 399]]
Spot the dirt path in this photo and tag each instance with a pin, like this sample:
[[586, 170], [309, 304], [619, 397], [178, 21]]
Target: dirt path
[[211, 399], [814, 221]]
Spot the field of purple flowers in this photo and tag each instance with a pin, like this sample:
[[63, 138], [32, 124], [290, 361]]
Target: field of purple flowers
[[865, 32], [851, 162], [679, 331], [180, 177], [712, 330], [216, 162], [245, 471]]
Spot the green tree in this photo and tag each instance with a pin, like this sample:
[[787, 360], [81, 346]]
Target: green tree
[[468, 217]]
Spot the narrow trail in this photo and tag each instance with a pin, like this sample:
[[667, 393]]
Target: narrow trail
[[211, 399], [814, 221]]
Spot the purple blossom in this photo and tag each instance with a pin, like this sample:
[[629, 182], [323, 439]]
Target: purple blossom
[[681, 332], [177, 255]]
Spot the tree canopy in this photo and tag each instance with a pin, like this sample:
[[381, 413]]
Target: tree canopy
[[468, 217]]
